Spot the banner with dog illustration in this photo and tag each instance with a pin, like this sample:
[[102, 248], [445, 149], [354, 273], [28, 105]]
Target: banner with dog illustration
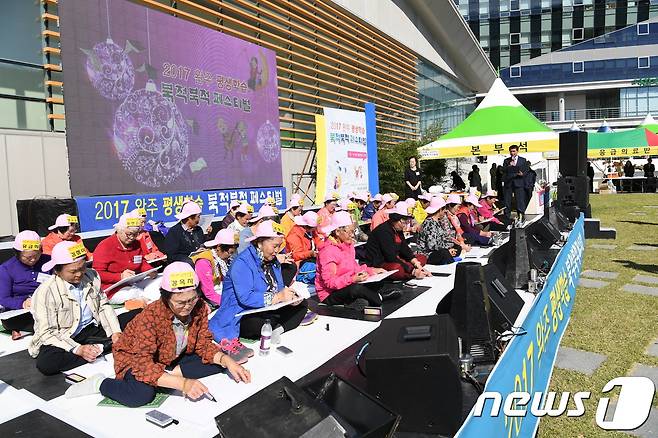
[[342, 153], [156, 104]]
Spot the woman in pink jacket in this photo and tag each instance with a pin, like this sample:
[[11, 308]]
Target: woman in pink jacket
[[338, 275]]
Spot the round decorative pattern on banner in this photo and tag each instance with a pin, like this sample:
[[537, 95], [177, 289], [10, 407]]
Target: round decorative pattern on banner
[[110, 70], [151, 137], [267, 141]]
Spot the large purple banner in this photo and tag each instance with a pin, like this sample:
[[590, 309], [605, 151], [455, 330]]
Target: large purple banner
[[155, 103]]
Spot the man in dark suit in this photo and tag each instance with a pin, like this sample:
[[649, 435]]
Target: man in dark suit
[[515, 169]]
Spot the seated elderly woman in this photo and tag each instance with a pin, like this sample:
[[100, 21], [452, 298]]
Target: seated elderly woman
[[302, 244], [212, 265], [230, 215], [168, 345], [468, 219], [63, 230], [151, 251], [371, 207], [121, 256], [186, 236], [242, 217], [451, 222], [294, 210], [433, 240], [353, 209], [20, 276], [267, 212], [73, 318], [387, 248], [254, 281], [381, 216], [339, 276], [488, 211]]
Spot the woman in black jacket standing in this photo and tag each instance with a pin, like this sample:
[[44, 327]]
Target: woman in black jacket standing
[[412, 183]]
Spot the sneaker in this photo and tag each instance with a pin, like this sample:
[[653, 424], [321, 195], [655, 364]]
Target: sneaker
[[309, 318], [232, 350], [359, 304], [391, 294]]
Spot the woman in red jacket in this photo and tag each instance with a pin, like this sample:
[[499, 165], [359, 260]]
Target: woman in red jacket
[[339, 275]]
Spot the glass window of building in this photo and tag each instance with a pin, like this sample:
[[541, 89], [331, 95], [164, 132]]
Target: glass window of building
[[643, 62], [578, 67], [643, 29]]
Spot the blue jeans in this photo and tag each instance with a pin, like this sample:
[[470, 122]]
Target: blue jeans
[[132, 393]]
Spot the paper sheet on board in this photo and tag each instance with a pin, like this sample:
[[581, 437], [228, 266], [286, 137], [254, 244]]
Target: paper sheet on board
[[379, 277], [131, 280]]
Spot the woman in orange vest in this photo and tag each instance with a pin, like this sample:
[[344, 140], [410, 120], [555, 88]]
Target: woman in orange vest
[[212, 264]]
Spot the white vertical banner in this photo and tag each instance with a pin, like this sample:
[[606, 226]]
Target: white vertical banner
[[345, 158]]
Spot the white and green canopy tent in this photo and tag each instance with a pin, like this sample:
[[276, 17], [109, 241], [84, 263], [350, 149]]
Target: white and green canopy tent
[[497, 123]]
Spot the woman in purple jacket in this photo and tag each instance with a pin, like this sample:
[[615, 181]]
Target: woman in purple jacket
[[19, 278]]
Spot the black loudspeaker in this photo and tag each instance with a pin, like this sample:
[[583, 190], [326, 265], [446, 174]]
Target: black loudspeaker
[[412, 366], [482, 305], [543, 234], [38, 214], [573, 191], [517, 268], [329, 407], [559, 220], [573, 153]]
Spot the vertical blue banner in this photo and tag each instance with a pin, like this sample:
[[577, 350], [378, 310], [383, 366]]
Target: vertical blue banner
[[527, 363], [371, 142]]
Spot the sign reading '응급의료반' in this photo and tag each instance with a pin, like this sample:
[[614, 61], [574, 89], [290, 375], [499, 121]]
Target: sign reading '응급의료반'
[[155, 103]]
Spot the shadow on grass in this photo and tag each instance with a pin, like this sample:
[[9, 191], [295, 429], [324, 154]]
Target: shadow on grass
[[655, 245], [651, 269], [639, 222]]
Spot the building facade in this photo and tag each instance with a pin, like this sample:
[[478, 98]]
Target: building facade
[[610, 78], [515, 31], [339, 54]]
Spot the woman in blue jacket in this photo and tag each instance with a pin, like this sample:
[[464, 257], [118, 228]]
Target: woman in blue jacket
[[254, 281]]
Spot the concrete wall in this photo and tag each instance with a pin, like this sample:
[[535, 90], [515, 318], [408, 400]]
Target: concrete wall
[[391, 20], [33, 164]]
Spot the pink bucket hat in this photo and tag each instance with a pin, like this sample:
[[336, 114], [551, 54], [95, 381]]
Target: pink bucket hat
[[263, 212], [472, 199], [363, 196], [308, 219], [426, 196], [295, 201], [223, 237], [453, 199], [401, 208], [234, 203], [245, 208], [266, 229], [64, 220], [339, 219], [377, 197], [435, 205], [64, 253], [190, 208], [129, 220], [179, 277], [27, 240], [331, 197], [386, 198], [490, 194]]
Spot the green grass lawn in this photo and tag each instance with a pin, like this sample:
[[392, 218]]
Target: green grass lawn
[[609, 321]]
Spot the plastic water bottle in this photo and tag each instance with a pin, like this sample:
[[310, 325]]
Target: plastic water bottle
[[265, 338]]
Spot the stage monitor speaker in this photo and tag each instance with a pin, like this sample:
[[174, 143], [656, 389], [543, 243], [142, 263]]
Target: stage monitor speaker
[[412, 366], [38, 214], [573, 153], [573, 191], [517, 268], [559, 220], [329, 407], [543, 234], [482, 305]]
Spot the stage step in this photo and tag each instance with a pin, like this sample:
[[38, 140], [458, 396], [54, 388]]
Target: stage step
[[593, 230]]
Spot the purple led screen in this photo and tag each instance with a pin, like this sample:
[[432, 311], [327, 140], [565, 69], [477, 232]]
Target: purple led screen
[[155, 103]]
